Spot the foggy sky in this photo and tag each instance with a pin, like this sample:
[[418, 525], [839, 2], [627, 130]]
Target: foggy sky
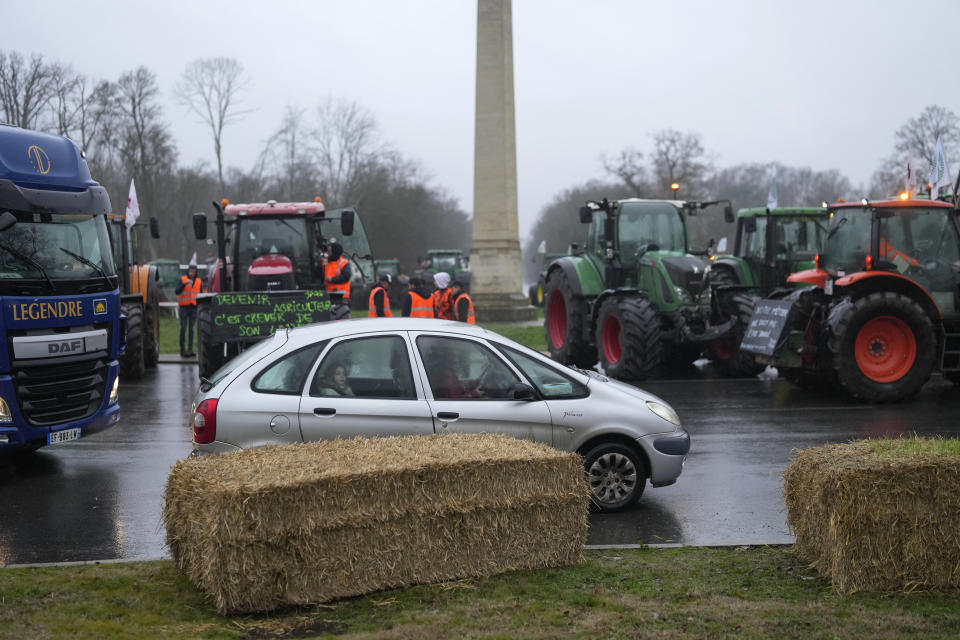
[[816, 83]]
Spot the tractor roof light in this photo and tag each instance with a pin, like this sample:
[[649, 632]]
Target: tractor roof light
[[224, 202], [864, 202], [824, 204], [904, 196], [318, 199]]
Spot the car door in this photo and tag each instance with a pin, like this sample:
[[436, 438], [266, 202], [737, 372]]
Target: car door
[[382, 396], [471, 390]]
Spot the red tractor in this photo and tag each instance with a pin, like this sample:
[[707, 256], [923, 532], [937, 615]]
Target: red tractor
[[270, 272], [884, 309]]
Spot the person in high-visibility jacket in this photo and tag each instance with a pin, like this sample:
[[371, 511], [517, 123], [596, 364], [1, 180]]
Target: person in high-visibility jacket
[[442, 297], [337, 272], [379, 299], [462, 304], [190, 285], [417, 302]]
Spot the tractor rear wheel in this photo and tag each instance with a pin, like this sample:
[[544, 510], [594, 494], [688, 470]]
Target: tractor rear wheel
[[564, 319], [883, 347], [210, 355], [725, 352], [132, 359], [629, 338]]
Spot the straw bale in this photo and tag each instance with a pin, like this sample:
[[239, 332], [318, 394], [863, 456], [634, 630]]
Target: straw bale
[[275, 526], [876, 522]]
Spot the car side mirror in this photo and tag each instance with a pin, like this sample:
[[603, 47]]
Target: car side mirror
[[155, 228], [346, 222], [200, 226], [728, 213], [586, 215], [7, 220], [523, 392]]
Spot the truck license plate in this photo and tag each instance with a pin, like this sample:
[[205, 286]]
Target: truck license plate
[[66, 435]]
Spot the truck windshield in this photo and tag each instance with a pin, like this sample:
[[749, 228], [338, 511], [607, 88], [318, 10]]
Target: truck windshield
[[649, 223], [274, 235], [39, 246], [847, 244]]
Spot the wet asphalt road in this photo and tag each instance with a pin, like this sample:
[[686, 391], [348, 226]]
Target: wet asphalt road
[[101, 497]]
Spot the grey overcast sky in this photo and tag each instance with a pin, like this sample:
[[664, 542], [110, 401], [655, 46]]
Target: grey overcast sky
[[807, 82]]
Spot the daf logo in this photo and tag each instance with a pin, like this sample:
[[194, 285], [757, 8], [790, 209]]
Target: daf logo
[[39, 159], [71, 346]]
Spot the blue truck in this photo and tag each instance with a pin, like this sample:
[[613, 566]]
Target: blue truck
[[62, 330]]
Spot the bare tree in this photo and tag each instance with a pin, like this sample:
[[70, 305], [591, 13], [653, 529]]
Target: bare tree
[[628, 166], [209, 87], [914, 142], [680, 157], [26, 88], [288, 157], [347, 141]]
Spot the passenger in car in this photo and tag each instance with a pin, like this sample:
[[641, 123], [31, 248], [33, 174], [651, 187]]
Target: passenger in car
[[336, 383]]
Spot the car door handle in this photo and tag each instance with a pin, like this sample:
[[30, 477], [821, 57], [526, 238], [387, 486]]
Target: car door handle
[[324, 412], [448, 415]]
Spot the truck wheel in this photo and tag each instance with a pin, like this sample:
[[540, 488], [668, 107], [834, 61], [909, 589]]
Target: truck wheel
[[132, 360], [629, 338], [209, 353], [564, 321], [151, 328], [725, 351], [883, 348], [617, 476]]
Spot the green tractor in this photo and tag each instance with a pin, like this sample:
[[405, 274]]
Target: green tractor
[[452, 261], [637, 297], [770, 245], [398, 280], [535, 291]]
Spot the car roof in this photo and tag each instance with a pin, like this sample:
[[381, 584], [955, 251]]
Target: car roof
[[321, 330]]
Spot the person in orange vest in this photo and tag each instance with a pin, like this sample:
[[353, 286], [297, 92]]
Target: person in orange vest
[[379, 300], [187, 291], [417, 302], [442, 297], [337, 272], [462, 304]]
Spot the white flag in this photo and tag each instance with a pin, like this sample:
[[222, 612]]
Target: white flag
[[133, 207], [772, 195], [939, 172]]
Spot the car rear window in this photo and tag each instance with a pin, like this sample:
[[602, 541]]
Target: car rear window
[[287, 375]]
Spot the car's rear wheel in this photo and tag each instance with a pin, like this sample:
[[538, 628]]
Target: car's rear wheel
[[617, 475]]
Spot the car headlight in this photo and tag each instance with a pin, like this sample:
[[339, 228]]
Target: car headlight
[[5, 414], [664, 412], [113, 392]]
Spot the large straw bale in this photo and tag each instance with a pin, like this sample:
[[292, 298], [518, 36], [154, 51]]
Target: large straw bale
[[275, 526], [876, 522]]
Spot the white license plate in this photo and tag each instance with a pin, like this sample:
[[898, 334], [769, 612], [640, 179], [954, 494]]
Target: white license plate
[[66, 435]]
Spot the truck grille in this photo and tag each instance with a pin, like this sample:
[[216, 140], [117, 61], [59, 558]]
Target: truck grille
[[58, 393]]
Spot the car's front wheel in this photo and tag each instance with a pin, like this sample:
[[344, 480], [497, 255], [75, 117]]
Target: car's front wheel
[[617, 475]]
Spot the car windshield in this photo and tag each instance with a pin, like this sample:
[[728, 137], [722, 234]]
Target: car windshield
[[44, 245], [642, 224], [847, 244]]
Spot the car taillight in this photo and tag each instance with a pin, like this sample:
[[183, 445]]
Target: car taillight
[[205, 422]]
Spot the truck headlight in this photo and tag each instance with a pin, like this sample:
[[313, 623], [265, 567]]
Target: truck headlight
[[113, 391], [5, 414], [664, 412]]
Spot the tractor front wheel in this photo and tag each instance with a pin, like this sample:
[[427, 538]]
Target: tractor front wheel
[[883, 348], [629, 338], [725, 352], [564, 319]]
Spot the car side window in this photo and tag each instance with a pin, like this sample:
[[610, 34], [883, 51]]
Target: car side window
[[463, 369], [287, 375], [551, 383], [375, 367]]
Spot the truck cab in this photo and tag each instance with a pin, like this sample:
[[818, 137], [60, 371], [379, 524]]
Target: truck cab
[[61, 324]]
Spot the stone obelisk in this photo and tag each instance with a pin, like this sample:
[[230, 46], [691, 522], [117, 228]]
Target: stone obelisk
[[496, 283]]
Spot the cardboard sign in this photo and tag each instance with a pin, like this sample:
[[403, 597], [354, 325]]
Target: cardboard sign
[[768, 327], [245, 317]]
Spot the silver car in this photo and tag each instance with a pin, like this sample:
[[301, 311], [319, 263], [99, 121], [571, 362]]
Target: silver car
[[401, 376]]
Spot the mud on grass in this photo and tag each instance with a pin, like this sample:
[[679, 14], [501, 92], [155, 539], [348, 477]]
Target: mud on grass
[[748, 592]]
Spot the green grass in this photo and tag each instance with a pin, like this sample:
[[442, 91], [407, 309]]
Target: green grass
[[755, 592], [899, 447]]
